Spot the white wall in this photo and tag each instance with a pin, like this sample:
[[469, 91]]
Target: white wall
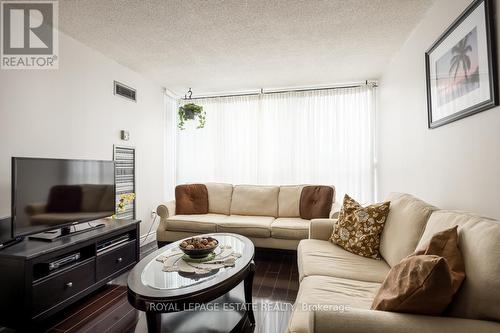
[[456, 166], [72, 113]]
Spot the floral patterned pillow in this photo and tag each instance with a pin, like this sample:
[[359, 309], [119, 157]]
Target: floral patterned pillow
[[358, 228]]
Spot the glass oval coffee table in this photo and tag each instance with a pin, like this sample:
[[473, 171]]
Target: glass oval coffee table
[[155, 291]]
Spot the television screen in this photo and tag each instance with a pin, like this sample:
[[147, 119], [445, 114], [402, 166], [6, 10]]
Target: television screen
[[5, 229], [54, 193]]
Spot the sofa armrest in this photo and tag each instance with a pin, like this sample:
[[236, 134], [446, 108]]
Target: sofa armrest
[[371, 321], [334, 212], [164, 211], [321, 228]]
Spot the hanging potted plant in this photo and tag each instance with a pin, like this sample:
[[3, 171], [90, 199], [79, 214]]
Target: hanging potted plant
[[189, 112]]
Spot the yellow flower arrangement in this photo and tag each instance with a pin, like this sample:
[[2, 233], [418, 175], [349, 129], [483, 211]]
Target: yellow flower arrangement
[[125, 199]]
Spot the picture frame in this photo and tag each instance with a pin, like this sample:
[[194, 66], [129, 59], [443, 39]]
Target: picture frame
[[461, 67]]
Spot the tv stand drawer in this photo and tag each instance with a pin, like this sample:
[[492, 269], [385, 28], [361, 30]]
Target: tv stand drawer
[[55, 290], [114, 260]]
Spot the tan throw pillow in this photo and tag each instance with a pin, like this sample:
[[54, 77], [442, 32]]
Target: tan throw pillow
[[316, 202], [424, 282], [358, 228], [191, 199]]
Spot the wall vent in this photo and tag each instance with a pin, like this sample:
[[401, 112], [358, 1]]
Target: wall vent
[[125, 91]]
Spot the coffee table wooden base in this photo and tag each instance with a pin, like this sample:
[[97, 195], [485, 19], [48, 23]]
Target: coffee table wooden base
[[248, 293], [153, 320]]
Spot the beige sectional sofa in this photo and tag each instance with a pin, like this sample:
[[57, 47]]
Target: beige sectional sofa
[[268, 215], [337, 287]]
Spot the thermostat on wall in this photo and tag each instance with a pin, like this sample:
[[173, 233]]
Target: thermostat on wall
[[124, 135]]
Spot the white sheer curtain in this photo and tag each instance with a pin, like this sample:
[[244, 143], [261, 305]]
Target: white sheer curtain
[[170, 161], [312, 137]]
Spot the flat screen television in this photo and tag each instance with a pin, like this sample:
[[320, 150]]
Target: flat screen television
[[5, 230], [51, 194]]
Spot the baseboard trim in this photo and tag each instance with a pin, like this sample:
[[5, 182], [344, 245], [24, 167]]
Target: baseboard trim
[[146, 239]]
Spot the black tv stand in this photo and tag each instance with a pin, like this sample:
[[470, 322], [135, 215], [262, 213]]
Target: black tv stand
[[31, 291], [10, 242], [53, 235]]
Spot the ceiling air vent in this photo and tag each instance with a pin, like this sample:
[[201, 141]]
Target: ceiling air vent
[[125, 91]]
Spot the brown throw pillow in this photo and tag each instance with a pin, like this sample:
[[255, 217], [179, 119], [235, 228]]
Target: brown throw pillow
[[316, 202], [191, 199], [424, 282], [418, 284], [358, 228], [445, 244]]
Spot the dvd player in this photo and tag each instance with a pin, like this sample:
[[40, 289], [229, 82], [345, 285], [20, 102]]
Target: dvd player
[[103, 246], [52, 265]]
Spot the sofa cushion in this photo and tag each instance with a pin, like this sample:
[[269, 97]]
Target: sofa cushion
[[368, 321], [203, 223], [478, 240], [331, 294], [191, 199], [403, 227], [290, 228], [358, 228], [316, 202], [252, 226], [321, 257], [255, 200], [219, 197], [289, 201]]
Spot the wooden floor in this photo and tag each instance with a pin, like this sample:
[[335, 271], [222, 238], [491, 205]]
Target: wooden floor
[[107, 310]]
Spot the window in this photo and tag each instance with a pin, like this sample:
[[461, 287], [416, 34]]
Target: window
[[311, 137]]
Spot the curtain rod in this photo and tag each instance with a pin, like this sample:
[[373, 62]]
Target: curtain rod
[[279, 91]]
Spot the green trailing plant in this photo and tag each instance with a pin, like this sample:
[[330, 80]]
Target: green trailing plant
[[190, 111]]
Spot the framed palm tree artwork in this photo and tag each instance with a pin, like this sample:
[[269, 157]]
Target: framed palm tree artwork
[[461, 69]]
